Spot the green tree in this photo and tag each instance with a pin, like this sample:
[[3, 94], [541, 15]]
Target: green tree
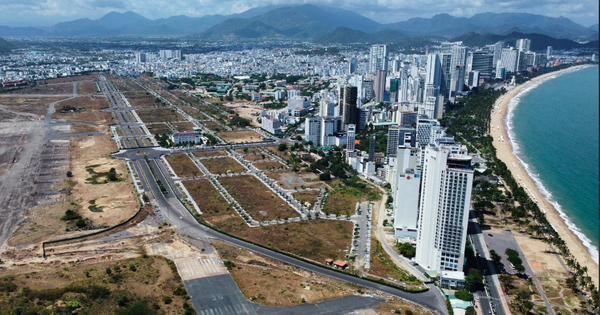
[[474, 281], [282, 147], [463, 295]]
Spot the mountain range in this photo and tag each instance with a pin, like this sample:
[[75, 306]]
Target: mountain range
[[309, 22]]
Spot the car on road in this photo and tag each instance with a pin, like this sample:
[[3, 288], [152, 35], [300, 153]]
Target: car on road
[[490, 234]]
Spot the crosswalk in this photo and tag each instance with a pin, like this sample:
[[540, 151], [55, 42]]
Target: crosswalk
[[225, 310], [199, 267]]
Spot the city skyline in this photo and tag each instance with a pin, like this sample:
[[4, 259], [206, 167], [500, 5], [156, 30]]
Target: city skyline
[[49, 12]]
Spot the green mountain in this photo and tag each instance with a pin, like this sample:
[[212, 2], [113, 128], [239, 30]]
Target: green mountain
[[539, 42]]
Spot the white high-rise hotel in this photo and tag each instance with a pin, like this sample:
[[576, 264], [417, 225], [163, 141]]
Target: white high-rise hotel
[[378, 59], [446, 183]]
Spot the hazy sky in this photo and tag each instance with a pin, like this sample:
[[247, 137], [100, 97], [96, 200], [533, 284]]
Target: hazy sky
[[48, 12]]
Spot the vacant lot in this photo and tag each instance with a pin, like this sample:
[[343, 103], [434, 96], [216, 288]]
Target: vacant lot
[[214, 207], [9, 105], [240, 136], [159, 128], [270, 282], [210, 153], [269, 165], [150, 115], [313, 239], [142, 99], [87, 77], [84, 109], [86, 87], [309, 196], [169, 97], [213, 126], [192, 112], [137, 283], [185, 97], [342, 199], [256, 198], [183, 165], [383, 266], [223, 165], [295, 180], [184, 126], [49, 89], [252, 154]]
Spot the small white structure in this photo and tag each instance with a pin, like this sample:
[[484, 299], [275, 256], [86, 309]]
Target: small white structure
[[186, 137]]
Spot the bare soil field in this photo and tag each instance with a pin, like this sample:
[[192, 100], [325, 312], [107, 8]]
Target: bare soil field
[[11, 106], [81, 128], [252, 154], [313, 239], [223, 165], [89, 287], [86, 87], [46, 89], [270, 282], [150, 115], [91, 112], [141, 99], [87, 77], [210, 153], [295, 180], [27, 100], [183, 165], [384, 267], [282, 154], [184, 126], [214, 207], [159, 128], [240, 136], [395, 305], [256, 198], [269, 165], [309, 196], [169, 97], [192, 112], [185, 97], [343, 199], [211, 125]]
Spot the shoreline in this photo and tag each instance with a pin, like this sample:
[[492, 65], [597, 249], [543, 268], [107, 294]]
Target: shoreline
[[506, 152]]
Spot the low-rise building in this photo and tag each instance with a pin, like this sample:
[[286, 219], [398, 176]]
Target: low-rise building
[[186, 137]]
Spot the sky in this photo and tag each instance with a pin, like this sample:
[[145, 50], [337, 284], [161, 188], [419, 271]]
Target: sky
[[48, 12]]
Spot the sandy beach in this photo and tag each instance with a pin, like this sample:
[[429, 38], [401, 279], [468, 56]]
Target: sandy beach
[[505, 153]]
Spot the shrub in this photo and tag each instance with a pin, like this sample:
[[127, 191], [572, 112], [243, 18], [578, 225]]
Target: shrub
[[167, 300], [464, 295]]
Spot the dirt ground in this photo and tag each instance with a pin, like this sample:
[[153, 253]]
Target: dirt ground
[[253, 154], [184, 126], [92, 112], [269, 165], [210, 154], [245, 110], [159, 128], [86, 87], [269, 282], [256, 198], [117, 200], [211, 125], [223, 165], [12, 105], [50, 88], [309, 196], [141, 99], [213, 206], [183, 165], [292, 180], [150, 115], [240, 136]]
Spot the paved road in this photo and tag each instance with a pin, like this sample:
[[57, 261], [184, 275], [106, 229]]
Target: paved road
[[171, 209]]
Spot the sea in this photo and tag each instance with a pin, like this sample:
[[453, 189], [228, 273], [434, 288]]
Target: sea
[[553, 128]]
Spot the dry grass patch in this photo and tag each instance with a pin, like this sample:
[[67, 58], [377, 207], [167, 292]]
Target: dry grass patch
[[184, 126], [312, 239], [342, 198], [86, 77], [309, 196], [212, 126], [215, 208], [143, 281], [90, 110], [270, 282], [240, 136], [256, 198], [395, 305], [252, 154], [150, 115], [383, 266], [159, 128], [269, 165], [223, 165], [183, 165], [205, 154], [81, 128], [86, 87], [48, 89], [142, 99]]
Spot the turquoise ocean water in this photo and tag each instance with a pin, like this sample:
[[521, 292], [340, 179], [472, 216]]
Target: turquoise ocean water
[[553, 128]]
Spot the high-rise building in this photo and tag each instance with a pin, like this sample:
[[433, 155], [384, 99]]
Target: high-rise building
[[446, 182], [140, 57], [405, 190], [312, 129], [473, 79], [400, 136], [372, 142], [481, 61], [351, 135], [348, 106], [394, 85], [428, 130], [378, 58], [352, 65], [523, 44], [548, 52], [457, 69], [166, 54], [379, 85], [326, 109], [433, 79], [509, 59]]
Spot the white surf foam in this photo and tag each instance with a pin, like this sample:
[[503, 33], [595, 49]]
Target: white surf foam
[[508, 123]]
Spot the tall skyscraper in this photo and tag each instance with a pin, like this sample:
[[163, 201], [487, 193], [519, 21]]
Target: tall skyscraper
[[379, 85], [446, 182], [523, 44], [432, 86], [458, 63], [351, 135], [326, 109], [140, 57], [394, 85], [480, 61], [372, 142], [348, 106], [405, 191], [352, 65], [509, 59], [378, 58], [548, 52]]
